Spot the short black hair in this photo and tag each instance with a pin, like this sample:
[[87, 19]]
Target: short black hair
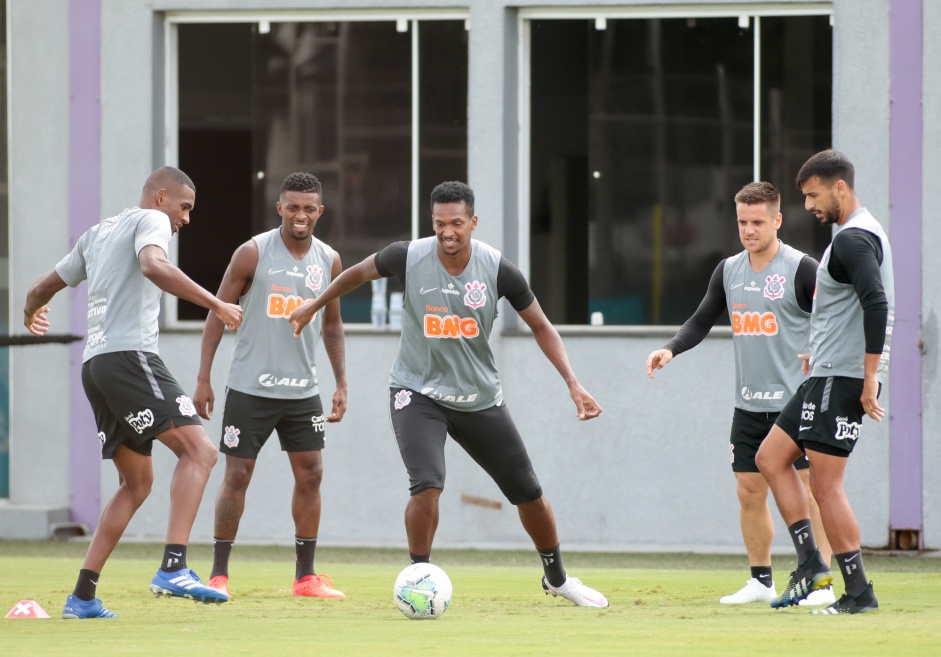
[[829, 166], [453, 191], [756, 193], [301, 181], [161, 176]]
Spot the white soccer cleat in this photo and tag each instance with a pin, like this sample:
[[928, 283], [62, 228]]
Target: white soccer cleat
[[824, 596], [753, 591], [574, 591]]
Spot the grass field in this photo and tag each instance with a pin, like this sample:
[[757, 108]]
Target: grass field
[[660, 605]]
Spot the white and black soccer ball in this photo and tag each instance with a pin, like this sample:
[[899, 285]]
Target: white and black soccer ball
[[422, 591]]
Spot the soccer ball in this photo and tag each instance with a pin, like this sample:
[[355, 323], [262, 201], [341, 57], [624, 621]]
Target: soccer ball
[[422, 591]]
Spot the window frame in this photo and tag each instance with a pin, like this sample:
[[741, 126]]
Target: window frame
[[406, 19], [750, 12]]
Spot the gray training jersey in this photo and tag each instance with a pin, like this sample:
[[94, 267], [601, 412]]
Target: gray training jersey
[[123, 304], [268, 360], [769, 329], [837, 340], [445, 351]]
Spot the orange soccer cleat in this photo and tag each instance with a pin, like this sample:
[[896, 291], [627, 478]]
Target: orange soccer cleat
[[316, 586], [220, 583]]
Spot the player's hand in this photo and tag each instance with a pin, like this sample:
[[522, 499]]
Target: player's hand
[[870, 399], [805, 364], [302, 316], [230, 314], [587, 407], [204, 399], [657, 359], [339, 405], [37, 323]]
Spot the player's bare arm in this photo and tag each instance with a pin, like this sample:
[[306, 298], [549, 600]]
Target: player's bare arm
[[345, 283], [869, 398], [40, 294], [236, 282], [549, 340], [333, 342], [171, 279], [657, 359]]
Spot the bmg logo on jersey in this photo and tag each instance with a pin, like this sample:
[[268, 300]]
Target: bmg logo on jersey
[[846, 430], [452, 326], [754, 323], [280, 305]]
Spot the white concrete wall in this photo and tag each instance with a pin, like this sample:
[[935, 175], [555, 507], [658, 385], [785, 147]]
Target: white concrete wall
[[931, 278], [39, 138]]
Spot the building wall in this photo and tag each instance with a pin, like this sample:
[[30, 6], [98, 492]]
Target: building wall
[[657, 458]]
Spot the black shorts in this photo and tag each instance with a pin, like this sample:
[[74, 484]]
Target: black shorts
[[248, 421], [134, 397], [749, 429], [825, 415], [489, 436]]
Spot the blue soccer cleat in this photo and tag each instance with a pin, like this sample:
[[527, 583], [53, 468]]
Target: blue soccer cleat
[[185, 584], [78, 609]]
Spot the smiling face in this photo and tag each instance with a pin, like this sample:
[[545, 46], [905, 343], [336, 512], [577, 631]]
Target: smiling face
[[299, 213], [453, 225], [757, 227], [823, 200], [176, 201]]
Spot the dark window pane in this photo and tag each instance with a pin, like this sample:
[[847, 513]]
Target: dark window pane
[[641, 135], [442, 110], [330, 98], [796, 110]]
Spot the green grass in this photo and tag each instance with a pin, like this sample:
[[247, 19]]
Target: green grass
[[660, 605]]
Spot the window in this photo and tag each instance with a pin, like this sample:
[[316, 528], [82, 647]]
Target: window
[[376, 109], [641, 132]]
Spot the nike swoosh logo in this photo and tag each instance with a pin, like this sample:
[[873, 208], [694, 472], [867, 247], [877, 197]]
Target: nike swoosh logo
[[177, 554], [424, 291], [763, 576], [94, 582], [736, 285], [803, 428], [848, 559], [272, 272]]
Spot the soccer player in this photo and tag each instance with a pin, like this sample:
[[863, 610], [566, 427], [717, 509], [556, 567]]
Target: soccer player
[[767, 290], [848, 361], [444, 380], [134, 397], [273, 378]]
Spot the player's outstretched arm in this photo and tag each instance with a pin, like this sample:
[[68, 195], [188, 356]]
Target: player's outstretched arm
[[335, 346], [345, 283], [549, 340], [236, 282], [171, 279], [657, 359], [40, 294]]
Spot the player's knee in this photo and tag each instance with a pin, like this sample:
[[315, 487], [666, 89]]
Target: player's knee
[[139, 489]]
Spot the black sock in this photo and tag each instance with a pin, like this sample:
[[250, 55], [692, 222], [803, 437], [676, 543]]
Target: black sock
[[762, 574], [802, 533], [221, 549], [854, 575], [174, 557], [87, 584], [419, 558], [304, 549], [552, 566]]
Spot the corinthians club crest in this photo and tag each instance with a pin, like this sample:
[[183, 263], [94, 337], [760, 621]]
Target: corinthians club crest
[[475, 296], [774, 286], [314, 278]]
